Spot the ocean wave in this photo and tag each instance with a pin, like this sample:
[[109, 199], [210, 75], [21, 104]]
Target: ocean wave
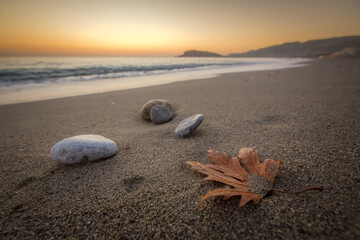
[[36, 73]]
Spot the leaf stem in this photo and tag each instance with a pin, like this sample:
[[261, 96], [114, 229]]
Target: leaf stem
[[321, 188]]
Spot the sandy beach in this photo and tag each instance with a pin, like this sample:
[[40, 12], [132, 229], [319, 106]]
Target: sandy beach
[[307, 117]]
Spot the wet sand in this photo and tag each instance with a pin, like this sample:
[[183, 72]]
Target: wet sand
[[307, 117]]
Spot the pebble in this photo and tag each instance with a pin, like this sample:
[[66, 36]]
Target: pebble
[[160, 114], [189, 125], [83, 148], [145, 109]]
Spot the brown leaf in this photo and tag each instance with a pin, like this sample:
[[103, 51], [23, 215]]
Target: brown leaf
[[251, 184]]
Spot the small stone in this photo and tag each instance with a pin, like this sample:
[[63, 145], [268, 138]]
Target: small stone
[[259, 185], [189, 125], [160, 114], [83, 148], [145, 109]]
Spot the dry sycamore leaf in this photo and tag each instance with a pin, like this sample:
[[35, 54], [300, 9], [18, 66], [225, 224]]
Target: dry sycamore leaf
[[251, 183]]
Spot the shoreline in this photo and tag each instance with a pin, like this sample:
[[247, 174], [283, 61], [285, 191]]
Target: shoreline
[[39, 92], [306, 117]]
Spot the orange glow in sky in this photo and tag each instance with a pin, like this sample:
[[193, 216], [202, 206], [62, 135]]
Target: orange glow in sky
[[166, 27]]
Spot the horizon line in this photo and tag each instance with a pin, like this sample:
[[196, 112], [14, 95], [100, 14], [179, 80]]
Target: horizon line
[[5, 54]]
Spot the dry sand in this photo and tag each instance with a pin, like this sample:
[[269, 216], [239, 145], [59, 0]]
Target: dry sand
[[308, 117]]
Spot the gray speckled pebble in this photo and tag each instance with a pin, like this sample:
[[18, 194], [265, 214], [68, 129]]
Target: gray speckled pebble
[[160, 114], [146, 108], [83, 148], [189, 125]]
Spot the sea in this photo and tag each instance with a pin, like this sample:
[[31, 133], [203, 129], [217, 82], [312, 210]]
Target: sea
[[71, 76]]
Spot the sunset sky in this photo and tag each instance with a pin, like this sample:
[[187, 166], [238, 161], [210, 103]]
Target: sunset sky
[[167, 27]]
